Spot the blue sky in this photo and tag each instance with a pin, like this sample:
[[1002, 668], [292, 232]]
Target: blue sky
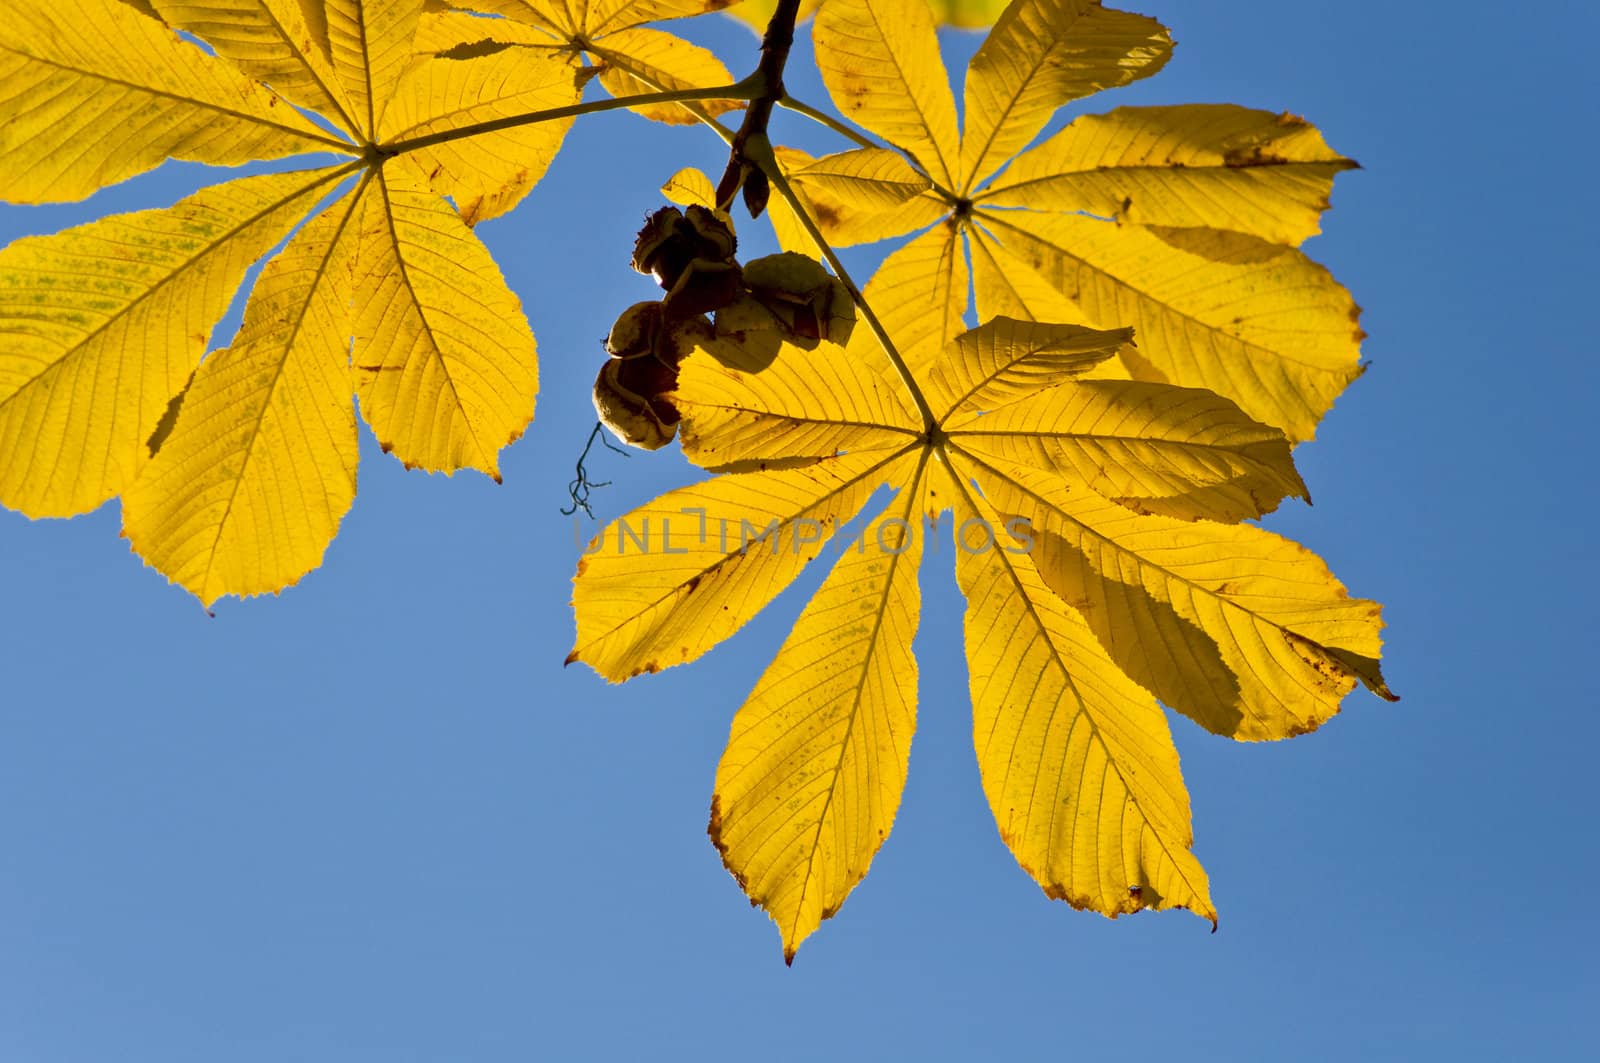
[[376, 819]]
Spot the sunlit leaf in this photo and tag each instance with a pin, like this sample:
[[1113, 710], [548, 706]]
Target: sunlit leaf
[[1077, 761], [94, 93], [444, 359], [1040, 55], [236, 470], [638, 61], [855, 197], [98, 339], [1197, 166], [1260, 641], [1179, 221], [631, 61], [806, 404], [486, 175], [881, 65], [809, 784], [1083, 604], [248, 488], [723, 550], [1278, 336], [1005, 360], [272, 40]]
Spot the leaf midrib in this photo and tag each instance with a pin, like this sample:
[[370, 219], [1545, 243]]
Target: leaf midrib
[[911, 495]]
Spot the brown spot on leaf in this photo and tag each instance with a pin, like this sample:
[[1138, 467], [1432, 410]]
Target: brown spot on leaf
[[1252, 155]]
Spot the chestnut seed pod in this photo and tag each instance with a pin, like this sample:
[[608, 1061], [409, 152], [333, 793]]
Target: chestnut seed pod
[[702, 287], [632, 417], [659, 229], [714, 231], [635, 332]]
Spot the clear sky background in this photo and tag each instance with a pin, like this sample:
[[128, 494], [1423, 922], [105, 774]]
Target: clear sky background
[[375, 819]]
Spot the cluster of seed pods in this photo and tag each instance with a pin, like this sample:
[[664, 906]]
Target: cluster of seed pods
[[753, 310]]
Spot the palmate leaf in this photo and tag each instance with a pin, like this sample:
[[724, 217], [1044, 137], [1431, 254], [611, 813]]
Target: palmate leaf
[[1099, 573], [1181, 221], [630, 60], [236, 469]]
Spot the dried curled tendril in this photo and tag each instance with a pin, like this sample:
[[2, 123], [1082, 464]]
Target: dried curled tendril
[[581, 485]]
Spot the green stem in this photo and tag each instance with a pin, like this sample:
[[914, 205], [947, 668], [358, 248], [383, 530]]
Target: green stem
[[743, 90], [823, 118], [759, 151]]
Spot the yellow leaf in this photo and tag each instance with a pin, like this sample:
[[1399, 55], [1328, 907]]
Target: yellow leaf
[[631, 61], [880, 61], [270, 40], [98, 338], [1005, 360], [866, 179], [444, 359], [638, 61], [1196, 166], [803, 406], [249, 487], [95, 92], [1154, 448], [688, 187], [920, 293], [1011, 289], [1040, 55], [1205, 199], [673, 578], [1077, 761], [853, 217], [788, 229], [1258, 640], [608, 16], [1075, 598], [807, 789], [1277, 336], [460, 35], [109, 321], [561, 17], [370, 44], [488, 174]]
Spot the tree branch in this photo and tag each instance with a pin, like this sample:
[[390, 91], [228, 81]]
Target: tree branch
[[742, 173]]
